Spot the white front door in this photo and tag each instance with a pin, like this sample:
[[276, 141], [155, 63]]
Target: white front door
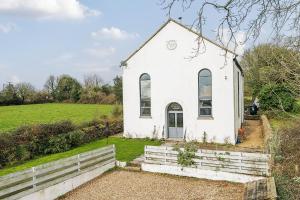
[[175, 121]]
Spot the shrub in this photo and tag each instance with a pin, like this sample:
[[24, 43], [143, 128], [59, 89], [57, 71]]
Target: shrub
[[285, 170], [185, 157], [277, 96], [29, 141], [76, 138], [93, 132], [37, 136], [22, 153], [117, 111], [7, 150], [57, 144]]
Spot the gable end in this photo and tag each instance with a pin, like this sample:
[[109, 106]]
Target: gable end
[[123, 63]]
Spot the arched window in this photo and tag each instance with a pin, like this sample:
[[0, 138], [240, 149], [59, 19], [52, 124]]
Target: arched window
[[205, 92], [145, 95]]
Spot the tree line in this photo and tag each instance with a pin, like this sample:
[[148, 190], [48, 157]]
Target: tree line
[[272, 73], [65, 89]]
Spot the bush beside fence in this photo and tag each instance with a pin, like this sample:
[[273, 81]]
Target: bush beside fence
[[30, 141]]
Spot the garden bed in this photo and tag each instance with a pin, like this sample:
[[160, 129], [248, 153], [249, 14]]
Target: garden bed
[[254, 141]]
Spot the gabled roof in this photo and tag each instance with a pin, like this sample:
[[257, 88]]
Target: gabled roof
[[187, 28]]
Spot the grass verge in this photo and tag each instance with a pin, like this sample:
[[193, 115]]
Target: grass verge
[[126, 150]]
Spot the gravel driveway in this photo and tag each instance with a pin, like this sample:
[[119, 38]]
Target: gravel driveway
[[142, 185]]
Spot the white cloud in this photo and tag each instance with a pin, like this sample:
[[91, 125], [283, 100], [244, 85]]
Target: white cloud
[[47, 9], [100, 52], [6, 28], [113, 33]]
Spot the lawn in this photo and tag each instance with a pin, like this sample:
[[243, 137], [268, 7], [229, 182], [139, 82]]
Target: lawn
[[126, 150], [285, 121], [12, 117]]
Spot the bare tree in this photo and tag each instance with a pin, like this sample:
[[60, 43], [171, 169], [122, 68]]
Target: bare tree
[[51, 85], [244, 15], [92, 81]]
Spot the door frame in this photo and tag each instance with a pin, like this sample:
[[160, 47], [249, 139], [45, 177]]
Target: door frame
[[167, 120]]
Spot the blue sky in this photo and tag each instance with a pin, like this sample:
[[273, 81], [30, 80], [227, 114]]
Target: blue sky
[[76, 37]]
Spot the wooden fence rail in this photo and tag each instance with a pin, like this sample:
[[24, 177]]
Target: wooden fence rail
[[224, 161], [17, 185]]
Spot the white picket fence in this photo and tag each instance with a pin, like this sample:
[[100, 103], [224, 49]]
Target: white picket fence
[[222, 161], [20, 184]]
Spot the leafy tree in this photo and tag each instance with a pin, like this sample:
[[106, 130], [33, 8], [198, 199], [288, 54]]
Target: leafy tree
[[107, 89], [68, 88], [9, 96], [25, 91], [271, 64], [277, 97], [118, 88]]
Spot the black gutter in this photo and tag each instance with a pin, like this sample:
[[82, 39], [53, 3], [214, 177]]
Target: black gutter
[[238, 65]]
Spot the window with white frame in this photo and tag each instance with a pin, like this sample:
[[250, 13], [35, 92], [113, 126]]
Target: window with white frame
[[145, 95], [205, 92]]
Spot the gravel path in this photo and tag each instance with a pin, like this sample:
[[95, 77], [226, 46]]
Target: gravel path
[[141, 185]]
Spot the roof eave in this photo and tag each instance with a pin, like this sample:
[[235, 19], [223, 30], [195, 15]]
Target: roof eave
[[238, 65]]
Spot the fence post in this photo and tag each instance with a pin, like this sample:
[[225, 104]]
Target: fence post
[[166, 155], [145, 152], [33, 177], [78, 162], [241, 161], [114, 151]]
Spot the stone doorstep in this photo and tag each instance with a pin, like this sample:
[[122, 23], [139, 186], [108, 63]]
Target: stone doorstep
[[137, 161]]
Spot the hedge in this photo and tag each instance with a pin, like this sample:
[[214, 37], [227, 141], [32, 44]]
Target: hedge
[[28, 142]]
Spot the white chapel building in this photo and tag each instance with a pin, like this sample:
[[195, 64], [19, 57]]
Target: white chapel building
[[167, 94]]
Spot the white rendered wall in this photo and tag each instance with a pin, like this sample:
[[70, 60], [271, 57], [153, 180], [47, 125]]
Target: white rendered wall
[[238, 110], [200, 173], [174, 78]]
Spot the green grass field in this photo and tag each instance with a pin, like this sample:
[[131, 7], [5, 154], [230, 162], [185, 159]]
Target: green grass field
[[126, 150], [12, 117]]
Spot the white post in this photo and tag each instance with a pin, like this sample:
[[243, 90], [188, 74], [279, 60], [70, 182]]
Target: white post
[[145, 152], [241, 160], [114, 151], [78, 162], [166, 154], [33, 177]]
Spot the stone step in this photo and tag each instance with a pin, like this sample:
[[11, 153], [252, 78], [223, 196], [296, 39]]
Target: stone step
[[138, 161], [261, 189], [132, 168]]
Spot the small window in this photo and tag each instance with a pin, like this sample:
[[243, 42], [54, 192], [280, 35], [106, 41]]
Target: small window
[[145, 95], [205, 93]]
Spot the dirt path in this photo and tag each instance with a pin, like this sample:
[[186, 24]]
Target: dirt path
[[140, 185], [254, 135]]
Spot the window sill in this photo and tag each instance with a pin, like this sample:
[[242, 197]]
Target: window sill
[[205, 118], [146, 117]]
